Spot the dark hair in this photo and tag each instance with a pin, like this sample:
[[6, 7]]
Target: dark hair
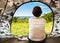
[[37, 11]]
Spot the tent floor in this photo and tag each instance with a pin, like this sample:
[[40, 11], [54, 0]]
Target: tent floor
[[14, 40]]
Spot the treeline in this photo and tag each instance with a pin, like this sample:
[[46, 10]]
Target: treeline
[[48, 17], [20, 20]]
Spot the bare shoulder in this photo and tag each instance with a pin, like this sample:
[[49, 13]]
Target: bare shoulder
[[43, 19], [30, 19]]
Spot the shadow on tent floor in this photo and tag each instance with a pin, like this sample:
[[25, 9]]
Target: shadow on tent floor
[[14, 40]]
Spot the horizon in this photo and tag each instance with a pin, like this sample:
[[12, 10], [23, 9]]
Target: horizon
[[29, 16]]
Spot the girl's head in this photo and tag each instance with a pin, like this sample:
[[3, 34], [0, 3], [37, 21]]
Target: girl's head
[[37, 11]]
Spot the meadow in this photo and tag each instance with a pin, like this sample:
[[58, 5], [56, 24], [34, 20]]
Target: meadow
[[22, 29], [20, 25]]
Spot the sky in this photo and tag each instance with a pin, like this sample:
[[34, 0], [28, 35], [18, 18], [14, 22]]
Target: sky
[[26, 9]]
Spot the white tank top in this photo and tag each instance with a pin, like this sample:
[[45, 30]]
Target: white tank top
[[37, 29]]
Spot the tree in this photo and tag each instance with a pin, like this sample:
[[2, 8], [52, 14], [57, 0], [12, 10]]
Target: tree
[[15, 19], [48, 17]]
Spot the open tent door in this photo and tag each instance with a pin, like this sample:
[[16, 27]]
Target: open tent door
[[20, 24], [4, 25]]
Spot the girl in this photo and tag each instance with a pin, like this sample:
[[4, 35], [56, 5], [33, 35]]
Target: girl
[[37, 27]]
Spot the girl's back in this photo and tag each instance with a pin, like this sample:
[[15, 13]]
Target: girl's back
[[37, 29]]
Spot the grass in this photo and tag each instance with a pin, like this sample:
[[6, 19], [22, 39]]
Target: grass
[[22, 29]]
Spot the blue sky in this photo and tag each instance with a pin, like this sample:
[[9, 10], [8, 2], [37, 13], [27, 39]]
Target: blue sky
[[26, 9]]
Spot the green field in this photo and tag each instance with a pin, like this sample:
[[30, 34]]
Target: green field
[[22, 29], [20, 25]]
